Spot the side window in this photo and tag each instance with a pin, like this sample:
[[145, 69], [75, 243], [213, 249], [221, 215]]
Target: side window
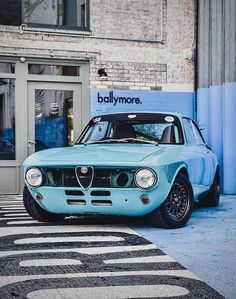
[[188, 129], [198, 137]]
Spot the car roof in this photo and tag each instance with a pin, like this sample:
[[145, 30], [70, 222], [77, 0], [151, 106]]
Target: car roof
[[179, 115]]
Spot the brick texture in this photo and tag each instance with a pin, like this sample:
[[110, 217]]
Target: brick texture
[[142, 44]]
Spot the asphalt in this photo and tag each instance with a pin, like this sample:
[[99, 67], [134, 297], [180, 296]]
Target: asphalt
[[101, 257]]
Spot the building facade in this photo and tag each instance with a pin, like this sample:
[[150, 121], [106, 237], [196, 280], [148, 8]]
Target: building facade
[[216, 92], [62, 62]]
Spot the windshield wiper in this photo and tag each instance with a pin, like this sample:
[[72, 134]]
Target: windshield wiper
[[122, 140], [131, 139], [103, 141]]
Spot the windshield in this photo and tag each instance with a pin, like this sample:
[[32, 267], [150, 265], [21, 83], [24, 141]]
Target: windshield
[[133, 128]]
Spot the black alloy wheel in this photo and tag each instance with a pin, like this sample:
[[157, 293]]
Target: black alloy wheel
[[177, 203], [177, 208]]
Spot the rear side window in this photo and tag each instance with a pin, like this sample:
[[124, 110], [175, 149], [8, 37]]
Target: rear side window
[[188, 129], [198, 136]]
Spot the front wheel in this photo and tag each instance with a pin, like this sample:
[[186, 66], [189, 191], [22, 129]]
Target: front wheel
[[177, 208], [35, 211]]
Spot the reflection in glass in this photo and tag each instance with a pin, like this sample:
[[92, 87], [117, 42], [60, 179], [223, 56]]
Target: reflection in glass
[[7, 119], [10, 12], [7, 67], [53, 118], [70, 13], [58, 70]]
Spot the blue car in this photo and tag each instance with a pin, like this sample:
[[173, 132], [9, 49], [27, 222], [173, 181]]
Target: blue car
[[129, 164]]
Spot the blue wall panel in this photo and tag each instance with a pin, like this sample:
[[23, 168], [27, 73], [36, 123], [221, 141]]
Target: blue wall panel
[[229, 138], [203, 112], [217, 114], [216, 123], [109, 101]]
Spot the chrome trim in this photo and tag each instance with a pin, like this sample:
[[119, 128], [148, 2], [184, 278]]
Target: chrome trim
[[154, 173], [78, 180]]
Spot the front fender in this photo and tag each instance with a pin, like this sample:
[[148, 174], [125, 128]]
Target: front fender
[[173, 169]]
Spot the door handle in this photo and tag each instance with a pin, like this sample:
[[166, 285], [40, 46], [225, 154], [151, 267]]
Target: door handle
[[30, 142]]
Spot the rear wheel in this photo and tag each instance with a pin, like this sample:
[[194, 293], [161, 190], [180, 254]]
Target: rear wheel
[[177, 208], [35, 211], [213, 196]]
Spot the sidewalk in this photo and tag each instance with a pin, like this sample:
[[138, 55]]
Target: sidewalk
[[206, 246]]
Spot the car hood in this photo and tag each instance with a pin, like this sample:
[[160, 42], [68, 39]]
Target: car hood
[[95, 154]]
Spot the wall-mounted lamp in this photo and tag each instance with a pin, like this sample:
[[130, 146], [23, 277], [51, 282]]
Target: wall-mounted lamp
[[102, 73]]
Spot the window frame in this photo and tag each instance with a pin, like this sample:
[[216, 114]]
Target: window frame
[[58, 27], [193, 123]]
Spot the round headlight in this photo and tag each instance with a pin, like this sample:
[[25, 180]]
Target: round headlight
[[145, 178], [34, 177]]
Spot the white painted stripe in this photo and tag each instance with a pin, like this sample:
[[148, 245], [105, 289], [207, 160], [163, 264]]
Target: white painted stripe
[[142, 260], [177, 273], [87, 250], [11, 202], [3, 207], [89, 239], [111, 292], [8, 209], [16, 214], [11, 205], [6, 231], [49, 262], [15, 218], [23, 222]]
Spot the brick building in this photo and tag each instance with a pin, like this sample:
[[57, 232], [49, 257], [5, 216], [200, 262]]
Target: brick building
[[62, 62]]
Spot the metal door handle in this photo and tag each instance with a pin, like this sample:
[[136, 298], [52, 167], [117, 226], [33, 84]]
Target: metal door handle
[[30, 142]]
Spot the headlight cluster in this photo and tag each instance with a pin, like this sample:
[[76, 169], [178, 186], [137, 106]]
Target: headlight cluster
[[145, 178], [34, 177]]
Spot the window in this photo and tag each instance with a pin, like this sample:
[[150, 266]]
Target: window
[[190, 138], [7, 119], [7, 67], [141, 128], [198, 136], [47, 13], [58, 70]]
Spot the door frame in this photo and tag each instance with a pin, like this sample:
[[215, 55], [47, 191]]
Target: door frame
[[12, 181], [77, 107]]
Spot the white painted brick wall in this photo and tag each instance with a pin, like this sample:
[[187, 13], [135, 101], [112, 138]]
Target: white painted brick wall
[[125, 40]]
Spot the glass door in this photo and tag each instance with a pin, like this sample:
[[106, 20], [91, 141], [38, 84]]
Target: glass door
[[54, 118]]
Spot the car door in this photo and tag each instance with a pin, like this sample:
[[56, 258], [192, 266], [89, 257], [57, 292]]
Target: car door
[[200, 159]]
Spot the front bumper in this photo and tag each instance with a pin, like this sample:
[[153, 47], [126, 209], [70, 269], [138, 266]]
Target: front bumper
[[120, 201]]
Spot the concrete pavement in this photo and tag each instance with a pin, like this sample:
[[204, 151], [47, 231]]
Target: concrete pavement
[[87, 258], [206, 246]]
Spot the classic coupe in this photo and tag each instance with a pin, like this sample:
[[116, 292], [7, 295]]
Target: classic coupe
[[131, 164]]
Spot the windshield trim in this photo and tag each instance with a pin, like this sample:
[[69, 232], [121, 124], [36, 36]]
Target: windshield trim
[[139, 117]]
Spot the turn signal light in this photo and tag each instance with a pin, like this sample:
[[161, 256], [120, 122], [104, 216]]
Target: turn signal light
[[145, 199]]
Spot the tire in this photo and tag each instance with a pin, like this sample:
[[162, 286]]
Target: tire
[[176, 210], [35, 211], [213, 196]]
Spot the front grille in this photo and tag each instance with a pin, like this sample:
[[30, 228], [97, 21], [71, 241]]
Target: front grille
[[103, 178], [74, 192]]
